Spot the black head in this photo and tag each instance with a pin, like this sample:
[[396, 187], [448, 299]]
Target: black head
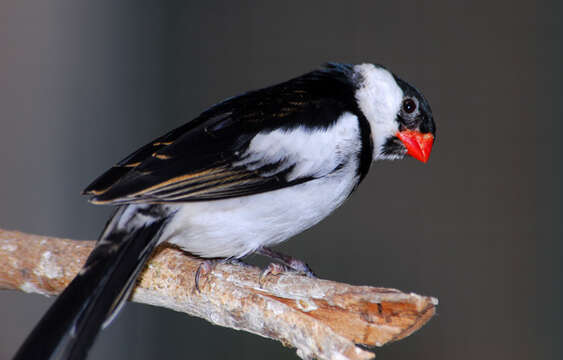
[[416, 127], [415, 113]]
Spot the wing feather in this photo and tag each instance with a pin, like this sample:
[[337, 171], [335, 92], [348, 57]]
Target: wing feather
[[210, 157]]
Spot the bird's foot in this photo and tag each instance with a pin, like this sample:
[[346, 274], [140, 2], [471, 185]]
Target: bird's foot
[[208, 265], [234, 261], [289, 263], [272, 269], [204, 269]]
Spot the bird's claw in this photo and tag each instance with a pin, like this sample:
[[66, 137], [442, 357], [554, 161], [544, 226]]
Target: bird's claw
[[271, 269], [208, 265], [204, 269], [300, 267], [290, 263], [277, 269]]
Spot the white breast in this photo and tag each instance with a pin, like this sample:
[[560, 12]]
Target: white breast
[[239, 226]]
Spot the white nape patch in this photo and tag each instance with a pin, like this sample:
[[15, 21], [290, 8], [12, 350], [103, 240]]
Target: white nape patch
[[312, 152], [239, 226], [379, 97], [48, 267]]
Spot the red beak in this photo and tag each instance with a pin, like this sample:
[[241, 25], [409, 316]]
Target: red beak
[[418, 145]]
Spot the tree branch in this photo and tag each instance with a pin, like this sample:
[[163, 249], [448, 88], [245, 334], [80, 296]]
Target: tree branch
[[322, 319]]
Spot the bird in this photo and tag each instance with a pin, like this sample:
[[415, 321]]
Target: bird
[[245, 175]]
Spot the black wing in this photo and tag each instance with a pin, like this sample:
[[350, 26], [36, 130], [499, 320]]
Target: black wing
[[197, 161]]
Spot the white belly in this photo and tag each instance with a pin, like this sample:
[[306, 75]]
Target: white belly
[[239, 226]]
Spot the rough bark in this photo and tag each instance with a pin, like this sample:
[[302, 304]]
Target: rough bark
[[320, 318]]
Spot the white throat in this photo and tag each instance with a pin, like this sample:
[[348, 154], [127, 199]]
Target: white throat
[[379, 98]]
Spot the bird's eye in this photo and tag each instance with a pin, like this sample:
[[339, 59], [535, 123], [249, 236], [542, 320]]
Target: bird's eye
[[409, 106]]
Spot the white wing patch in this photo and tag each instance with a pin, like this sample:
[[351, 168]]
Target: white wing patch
[[238, 226], [379, 98], [311, 152]]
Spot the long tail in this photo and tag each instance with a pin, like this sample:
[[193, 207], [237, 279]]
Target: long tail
[[68, 329]]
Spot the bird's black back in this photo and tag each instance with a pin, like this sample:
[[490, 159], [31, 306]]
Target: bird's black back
[[218, 136]]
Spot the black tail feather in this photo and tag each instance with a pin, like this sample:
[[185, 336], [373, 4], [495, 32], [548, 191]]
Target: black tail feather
[[70, 326]]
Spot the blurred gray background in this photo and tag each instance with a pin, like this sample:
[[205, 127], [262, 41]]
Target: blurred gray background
[[82, 84]]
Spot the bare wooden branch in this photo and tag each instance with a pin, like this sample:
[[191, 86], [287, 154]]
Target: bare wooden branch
[[320, 318]]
